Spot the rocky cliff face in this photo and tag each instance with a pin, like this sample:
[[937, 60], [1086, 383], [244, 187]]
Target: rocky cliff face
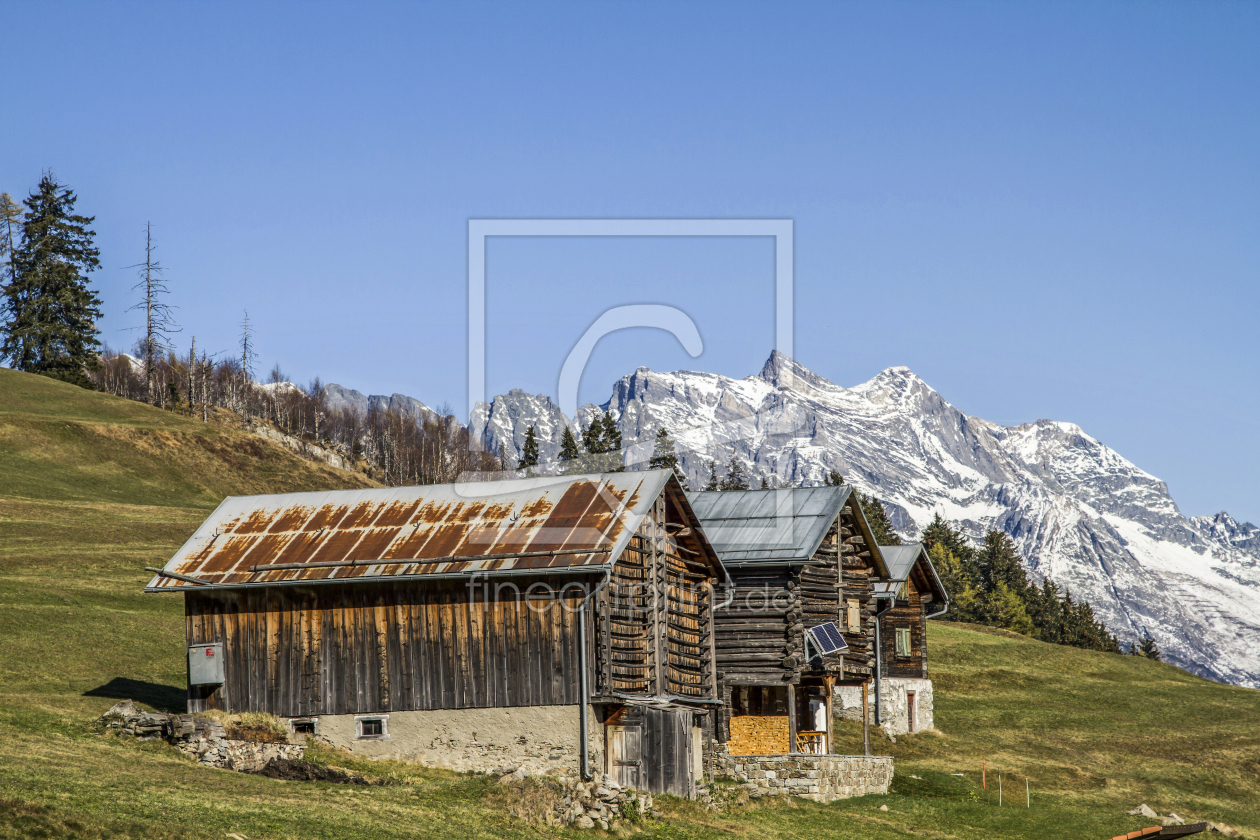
[[1081, 514]]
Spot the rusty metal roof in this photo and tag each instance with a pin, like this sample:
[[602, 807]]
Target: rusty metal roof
[[525, 525]]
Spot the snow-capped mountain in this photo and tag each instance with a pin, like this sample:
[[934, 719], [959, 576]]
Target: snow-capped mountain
[[1080, 513]]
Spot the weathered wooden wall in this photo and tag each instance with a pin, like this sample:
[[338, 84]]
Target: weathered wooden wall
[[378, 647], [905, 614], [364, 647], [765, 645]]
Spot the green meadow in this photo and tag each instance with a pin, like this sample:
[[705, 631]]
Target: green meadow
[[93, 488]]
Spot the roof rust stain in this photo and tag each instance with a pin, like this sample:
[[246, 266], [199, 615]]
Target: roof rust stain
[[255, 523], [290, 518], [397, 514], [417, 531], [361, 516], [327, 516]]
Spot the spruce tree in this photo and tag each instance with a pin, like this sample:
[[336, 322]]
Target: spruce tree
[[877, 518], [665, 455], [1149, 649], [833, 479], [765, 485], [713, 479], [736, 478], [49, 313], [611, 434], [593, 437], [569, 449], [529, 452]]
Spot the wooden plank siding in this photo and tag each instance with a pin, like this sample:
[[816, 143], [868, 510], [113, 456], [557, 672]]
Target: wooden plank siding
[[369, 647], [905, 614], [365, 647]]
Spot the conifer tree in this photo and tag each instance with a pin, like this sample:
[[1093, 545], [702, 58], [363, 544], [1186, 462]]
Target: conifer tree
[[611, 434], [736, 478], [529, 452], [765, 485], [665, 454], [833, 479], [1149, 649], [877, 518], [569, 449], [49, 313], [999, 562], [593, 437], [713, 479]]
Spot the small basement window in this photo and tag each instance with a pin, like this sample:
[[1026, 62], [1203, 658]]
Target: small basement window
[[371, 727], [303, 727]]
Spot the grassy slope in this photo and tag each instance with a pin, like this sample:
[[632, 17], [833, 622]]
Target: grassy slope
[[92, 488]]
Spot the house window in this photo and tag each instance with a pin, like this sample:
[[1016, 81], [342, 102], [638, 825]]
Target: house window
[[304, 726], [854, 617], [371, 727], [903, 642]]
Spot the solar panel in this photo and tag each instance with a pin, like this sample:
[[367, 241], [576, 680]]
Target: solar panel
[[827, 638]]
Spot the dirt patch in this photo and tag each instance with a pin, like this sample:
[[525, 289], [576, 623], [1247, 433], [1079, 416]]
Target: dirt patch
[[304, 771]]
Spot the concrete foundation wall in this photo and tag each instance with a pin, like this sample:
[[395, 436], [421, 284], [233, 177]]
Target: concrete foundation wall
[[822, 778], [895, 693], [535, 739]]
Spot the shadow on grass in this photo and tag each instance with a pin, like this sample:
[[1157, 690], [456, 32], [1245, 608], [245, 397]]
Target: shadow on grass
[[167, 698]]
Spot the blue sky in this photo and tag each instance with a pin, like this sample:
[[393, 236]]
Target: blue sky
[[1045, 210]]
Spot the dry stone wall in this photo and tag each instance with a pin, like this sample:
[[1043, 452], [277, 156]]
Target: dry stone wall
[[822, 778], [200, 737]]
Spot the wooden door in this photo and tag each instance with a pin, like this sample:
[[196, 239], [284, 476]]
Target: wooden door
[[624, 748], [911, 712]]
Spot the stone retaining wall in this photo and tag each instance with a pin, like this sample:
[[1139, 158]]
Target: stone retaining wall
[[821, 778]]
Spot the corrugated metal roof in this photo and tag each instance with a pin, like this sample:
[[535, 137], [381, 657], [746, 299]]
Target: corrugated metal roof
[[432, 530], [770, 525]]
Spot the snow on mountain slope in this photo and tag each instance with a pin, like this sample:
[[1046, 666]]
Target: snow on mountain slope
[[1080, 513]]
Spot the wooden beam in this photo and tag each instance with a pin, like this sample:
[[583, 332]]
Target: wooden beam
[[791, 709], [866, 719], [830, 683]]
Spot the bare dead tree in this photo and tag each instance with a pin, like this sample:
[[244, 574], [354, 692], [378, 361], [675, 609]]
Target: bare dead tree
[[159, 322]]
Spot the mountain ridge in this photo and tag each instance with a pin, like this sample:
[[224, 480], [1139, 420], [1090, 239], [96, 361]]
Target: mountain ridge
[[1080, 513]]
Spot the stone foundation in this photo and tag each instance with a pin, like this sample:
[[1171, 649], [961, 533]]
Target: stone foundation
[[822, 778], [533, 740], [894, 699]]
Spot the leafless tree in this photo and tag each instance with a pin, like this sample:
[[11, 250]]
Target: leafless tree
[[159, 322]]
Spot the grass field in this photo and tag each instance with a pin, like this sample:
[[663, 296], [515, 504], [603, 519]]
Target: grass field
[[93, 488]]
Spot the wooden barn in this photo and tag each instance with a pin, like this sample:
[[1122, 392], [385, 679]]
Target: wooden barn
[[912, 594], [799, 558], [542, 623]]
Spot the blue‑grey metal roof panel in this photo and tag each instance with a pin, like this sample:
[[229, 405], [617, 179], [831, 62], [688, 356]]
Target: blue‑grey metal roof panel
[[768, 525], [900, 559]]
